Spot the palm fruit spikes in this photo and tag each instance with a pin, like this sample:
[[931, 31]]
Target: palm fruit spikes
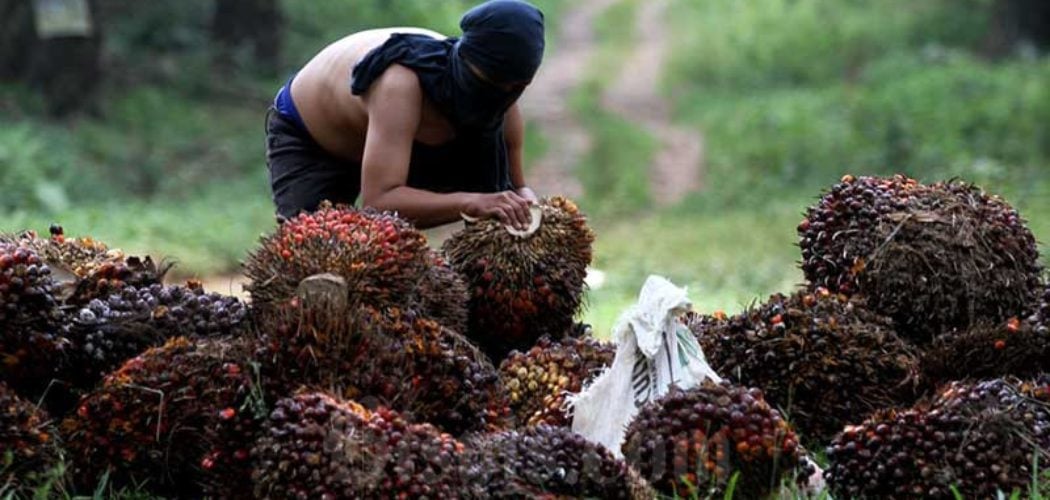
[[383, 357], [690, 443], [317, 446], [821, 358], [932, 257], [539, 380], [430, 374], [442, 295], [1015, 347], [380, 256], [979, 439], [548, 462], [29, 451], [523, 287], [182, 416]]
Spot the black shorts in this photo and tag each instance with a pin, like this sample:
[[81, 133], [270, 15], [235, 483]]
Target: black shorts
[[302, 173]]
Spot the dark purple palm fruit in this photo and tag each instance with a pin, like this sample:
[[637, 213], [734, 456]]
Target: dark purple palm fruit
[[821, 358], [974, 440], [548, 462], [932, 257], [318, 446], [33, 341], [110, 330], [691, 443]]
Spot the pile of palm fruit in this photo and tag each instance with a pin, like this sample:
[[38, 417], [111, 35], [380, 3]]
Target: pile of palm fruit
[[970, 439], [367, 364], [918, 298]]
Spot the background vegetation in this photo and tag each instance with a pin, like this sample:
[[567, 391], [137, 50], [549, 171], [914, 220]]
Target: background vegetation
[[165, 154]]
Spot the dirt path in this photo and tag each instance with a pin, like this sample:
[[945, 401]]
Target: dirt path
[[678, 165], [546, 102]]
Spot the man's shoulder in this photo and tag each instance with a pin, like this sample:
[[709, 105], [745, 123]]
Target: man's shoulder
[[397, 80]]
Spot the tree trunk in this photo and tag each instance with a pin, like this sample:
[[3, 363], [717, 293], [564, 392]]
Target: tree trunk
[[62, 57], [17, 37], [252, 28]]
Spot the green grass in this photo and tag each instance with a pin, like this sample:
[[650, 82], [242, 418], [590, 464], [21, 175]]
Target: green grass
[[205, 234], [727, 258]]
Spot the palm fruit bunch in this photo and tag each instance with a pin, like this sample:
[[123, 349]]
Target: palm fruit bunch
[[690, 443], [540, 379], [26, 287], [110, 330], [1041, 312], [89, 268], [442, 295], [548, 462], [523, 287], [430, 374], [381, 257], [29, 451], [823, 359], [32, 339], [932, 257], [978, 438], [317, 446], [180, 419], [1014, 347]]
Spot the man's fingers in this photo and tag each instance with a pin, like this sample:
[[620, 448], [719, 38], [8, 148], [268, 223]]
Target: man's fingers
[[503, 215]]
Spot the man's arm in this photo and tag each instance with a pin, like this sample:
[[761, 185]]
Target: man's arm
[[514, 134], [394, 106]]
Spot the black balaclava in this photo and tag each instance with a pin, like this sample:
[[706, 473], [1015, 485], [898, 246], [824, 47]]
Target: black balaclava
[[503, 39]]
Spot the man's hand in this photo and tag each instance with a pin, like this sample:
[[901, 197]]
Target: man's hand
[[507, 206]]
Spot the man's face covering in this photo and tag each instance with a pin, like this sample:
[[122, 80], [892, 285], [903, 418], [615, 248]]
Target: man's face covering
[[503, 40]]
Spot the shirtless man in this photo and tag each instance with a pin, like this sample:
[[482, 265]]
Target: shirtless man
[[411, 120]]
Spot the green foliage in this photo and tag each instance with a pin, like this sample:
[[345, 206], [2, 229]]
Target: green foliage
[[760, 43], [614, 173], [206, 233]]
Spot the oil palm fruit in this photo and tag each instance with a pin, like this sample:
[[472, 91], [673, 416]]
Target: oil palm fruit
[[691, 443], [539, 380], [932, 257], [821, 358], [523, 287], [976, 438]]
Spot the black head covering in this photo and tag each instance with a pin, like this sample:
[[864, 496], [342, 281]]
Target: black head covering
[[503, 39]]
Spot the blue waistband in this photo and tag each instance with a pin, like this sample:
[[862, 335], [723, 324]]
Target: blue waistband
[[284, 105]]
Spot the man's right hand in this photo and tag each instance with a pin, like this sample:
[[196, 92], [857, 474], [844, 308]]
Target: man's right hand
[[507, 206]]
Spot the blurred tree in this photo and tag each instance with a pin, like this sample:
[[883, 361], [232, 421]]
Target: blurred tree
[[257, 25], [1018, 21], [17, 35], [54, 46]]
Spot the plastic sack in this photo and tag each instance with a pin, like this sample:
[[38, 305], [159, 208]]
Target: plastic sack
[[654, 350]]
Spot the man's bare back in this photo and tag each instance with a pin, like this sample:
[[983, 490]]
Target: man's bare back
[[337, 119], [411, 121]]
